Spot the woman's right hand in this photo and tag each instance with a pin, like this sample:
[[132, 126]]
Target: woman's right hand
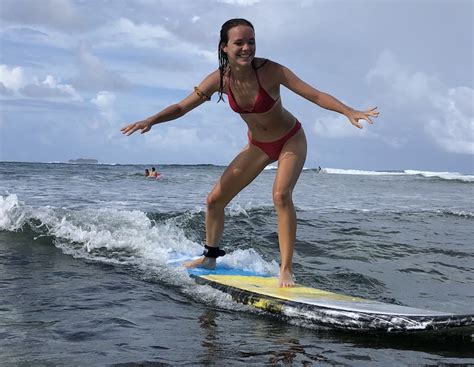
[[143, 125]]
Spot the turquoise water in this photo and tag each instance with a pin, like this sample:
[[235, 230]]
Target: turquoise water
[[86, 279]]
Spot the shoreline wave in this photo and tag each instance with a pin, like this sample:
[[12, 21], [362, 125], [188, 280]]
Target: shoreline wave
[[451, 176]]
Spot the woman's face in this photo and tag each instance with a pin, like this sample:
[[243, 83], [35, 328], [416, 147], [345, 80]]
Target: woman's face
[[241, 47]]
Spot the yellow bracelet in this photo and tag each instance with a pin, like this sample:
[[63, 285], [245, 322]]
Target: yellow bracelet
[[201, 94]]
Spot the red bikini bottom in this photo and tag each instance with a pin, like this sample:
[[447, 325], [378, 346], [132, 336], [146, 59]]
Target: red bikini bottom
[[273, 148]]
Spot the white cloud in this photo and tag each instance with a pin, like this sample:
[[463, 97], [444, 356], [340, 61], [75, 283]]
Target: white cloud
[[94, 75], [161, 58], [12, 78], [446, 114], [37, 36], [14, 82], [123, 31], [4, 90], [126, 33], [454, 129], [192, 135], [105, 101], [60, 14], [175, 137], [338, 126], [50, 88], [141, 35], [404, 85]]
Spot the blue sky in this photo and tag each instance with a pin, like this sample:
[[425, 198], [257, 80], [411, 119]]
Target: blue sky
[[72, 73]]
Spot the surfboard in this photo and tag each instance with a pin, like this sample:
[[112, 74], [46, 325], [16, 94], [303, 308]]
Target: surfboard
[[329, 310]]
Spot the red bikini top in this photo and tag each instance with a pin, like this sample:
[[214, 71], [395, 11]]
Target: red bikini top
[[262, 103]]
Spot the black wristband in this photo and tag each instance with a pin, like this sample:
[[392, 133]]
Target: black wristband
[[213, 252]]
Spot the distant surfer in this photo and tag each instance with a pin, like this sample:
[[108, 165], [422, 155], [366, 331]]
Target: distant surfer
[[154, 173], [252, 86]]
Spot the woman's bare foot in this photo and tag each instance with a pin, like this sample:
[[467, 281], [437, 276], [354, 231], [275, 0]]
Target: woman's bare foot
[[202, 262], [286, 278]]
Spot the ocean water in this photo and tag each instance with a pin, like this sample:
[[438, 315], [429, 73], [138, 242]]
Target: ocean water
[[85, 276]]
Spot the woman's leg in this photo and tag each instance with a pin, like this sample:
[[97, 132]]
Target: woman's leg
[[240, 172], [290, 165]]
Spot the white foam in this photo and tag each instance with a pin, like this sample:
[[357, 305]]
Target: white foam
[[338, 171], [250, 260], [273, 167], [127, 236], [428, 174], [459, 213], [12, 217], [214, 297], [443, 175], [235, 209]]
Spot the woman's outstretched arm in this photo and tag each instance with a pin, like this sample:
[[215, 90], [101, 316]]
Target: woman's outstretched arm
[[324, 100], [201, 94]]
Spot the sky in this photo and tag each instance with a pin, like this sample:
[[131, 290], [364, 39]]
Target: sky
[[73, 72]]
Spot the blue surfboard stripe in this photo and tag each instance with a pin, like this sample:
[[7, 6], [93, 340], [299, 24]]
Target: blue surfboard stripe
[[224, 270]]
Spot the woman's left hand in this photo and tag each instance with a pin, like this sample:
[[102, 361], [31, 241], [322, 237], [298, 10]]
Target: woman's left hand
[[354, 116]]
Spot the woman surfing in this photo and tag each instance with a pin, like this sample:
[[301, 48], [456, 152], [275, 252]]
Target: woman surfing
[[252, 86]]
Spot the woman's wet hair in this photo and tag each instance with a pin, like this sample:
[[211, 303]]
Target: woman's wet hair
[[224, 38]]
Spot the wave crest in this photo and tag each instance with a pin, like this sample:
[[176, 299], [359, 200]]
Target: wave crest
[[451, 176], [120, 236]]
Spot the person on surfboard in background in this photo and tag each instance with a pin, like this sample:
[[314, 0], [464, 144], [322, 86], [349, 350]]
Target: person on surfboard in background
[[154, 173], [252, 86]]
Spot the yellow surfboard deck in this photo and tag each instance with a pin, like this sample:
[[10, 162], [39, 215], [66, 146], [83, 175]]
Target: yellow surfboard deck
[[328, 309], [269, 286]]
